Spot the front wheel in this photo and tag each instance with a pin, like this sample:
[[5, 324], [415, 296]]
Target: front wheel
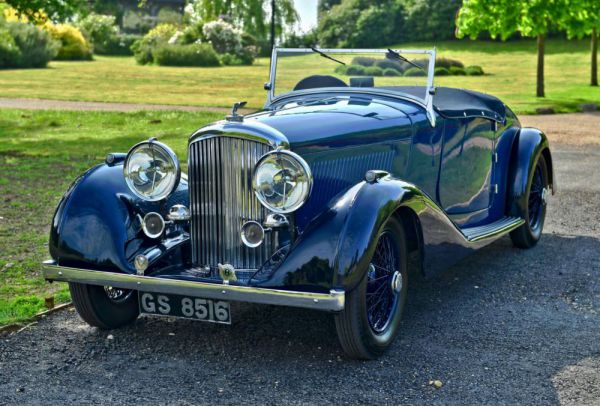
[[371, 318], [104, 307], [530, 232]]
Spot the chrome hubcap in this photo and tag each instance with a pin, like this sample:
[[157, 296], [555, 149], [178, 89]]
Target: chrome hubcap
[[545, 192], [397, 282]]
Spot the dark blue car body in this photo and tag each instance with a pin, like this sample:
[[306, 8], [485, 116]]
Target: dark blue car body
[[460, 185]]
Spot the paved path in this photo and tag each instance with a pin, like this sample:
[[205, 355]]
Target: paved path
[[505, 326], [43, 104]]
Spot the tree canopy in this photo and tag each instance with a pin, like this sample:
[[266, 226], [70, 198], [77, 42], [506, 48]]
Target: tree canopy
[[503, 18], [251, 15], [53, 9]]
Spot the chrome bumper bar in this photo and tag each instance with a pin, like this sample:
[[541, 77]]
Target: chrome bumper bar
[[332, 301]]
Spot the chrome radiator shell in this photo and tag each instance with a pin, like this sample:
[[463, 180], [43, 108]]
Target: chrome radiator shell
[[220, 172]]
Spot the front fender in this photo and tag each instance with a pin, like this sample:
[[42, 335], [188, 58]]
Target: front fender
[[335, 249], [96, 224], [528, 146]]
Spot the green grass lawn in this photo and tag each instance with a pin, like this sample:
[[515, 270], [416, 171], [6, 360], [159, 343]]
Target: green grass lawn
[[510, 68], [41, 153]]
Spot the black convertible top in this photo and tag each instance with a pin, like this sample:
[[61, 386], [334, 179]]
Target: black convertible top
[[459, 103]]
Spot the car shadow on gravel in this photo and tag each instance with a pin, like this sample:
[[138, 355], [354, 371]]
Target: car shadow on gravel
[[498, 327]]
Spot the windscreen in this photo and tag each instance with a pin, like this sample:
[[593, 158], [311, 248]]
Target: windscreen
[[301, 69]]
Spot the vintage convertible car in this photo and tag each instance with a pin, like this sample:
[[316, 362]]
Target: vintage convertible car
[[325, 199]]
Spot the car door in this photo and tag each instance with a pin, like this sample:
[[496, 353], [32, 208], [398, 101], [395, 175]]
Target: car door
[[465, 183]]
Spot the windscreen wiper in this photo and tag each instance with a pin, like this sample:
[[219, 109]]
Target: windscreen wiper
[[391, 54], [324, 55]]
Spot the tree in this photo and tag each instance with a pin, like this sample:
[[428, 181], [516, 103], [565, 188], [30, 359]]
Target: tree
[[503, 18], [582, 18], [371, 24], [251, 15], [56, 10]]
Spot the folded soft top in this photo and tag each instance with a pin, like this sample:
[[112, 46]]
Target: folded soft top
[[457, 103]]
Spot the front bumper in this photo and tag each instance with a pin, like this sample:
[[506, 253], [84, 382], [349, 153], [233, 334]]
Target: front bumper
[[332, 301]]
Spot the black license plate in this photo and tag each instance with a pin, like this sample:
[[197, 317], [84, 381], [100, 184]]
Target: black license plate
[[195, 308]]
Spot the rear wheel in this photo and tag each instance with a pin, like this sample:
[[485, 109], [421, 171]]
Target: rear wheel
[[104, 307], [371, 318], [529, 233]]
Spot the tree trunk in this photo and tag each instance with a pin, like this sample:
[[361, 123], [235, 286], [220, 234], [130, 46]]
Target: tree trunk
[[594, 81], [541, 45], [272, 24]]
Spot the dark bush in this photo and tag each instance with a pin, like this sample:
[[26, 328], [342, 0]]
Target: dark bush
[[355, 70], [389, 64], [448, 63], [373, 71], [120, 44], [391, 72], [186, 55], [474, 70], [36, 47], [363, 61], [455, 70], [442, 72], [415, 72]]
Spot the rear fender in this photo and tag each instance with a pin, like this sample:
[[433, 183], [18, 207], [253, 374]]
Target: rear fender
[[528, 146]]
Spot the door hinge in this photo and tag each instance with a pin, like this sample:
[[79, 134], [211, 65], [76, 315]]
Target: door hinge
[[495, 157], [495, 188]]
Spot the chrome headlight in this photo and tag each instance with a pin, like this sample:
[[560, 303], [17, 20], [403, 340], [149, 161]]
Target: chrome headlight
[[282, 181], [151, 170]]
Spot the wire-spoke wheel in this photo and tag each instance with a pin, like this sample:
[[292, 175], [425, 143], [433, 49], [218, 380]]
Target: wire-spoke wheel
[[529, 233], [370, 320]]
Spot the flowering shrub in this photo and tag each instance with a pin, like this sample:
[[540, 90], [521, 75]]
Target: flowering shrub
[[226, 39], [100, 30], [74, 46]]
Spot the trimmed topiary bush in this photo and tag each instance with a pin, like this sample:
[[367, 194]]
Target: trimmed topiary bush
[[36, 46], [341, 70], [373, 71], [474, 70], [186, 55], [442, 72], [415, 72], [363, 61], [391, 72], [355, 70], [455, 70], [74, 46]]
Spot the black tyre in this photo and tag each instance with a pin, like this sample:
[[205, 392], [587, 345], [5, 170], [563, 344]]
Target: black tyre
[[104, 307], [371, 318], [529, 233]]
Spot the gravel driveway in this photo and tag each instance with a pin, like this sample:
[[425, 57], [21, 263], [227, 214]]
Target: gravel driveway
[[503, 327]]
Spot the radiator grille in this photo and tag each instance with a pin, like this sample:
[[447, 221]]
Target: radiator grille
[[222, 200]]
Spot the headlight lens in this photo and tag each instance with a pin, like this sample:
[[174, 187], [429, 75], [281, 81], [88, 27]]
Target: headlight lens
[[282, 181], [151, 170]]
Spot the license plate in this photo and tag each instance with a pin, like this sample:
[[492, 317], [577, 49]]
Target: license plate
[[160, 304]]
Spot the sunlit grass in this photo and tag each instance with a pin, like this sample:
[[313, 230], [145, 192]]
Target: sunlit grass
[[510, 74], [41, 153]]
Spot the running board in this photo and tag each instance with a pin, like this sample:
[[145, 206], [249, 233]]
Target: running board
[[495, 229]]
